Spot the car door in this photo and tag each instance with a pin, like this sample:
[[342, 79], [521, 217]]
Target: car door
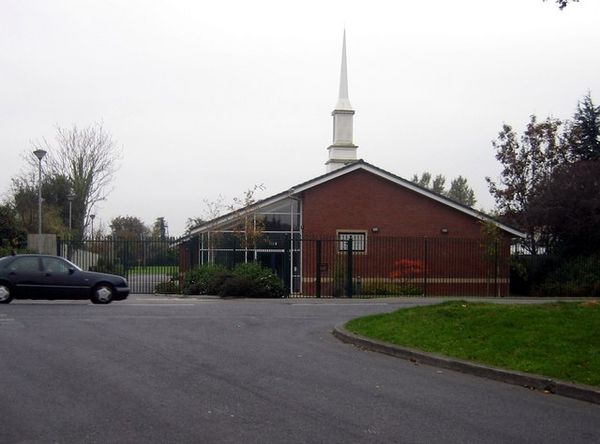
[[62, 280], [26, 276]]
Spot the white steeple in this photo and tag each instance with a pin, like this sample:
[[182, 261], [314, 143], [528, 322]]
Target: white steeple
[[343, 101], [343, 150]]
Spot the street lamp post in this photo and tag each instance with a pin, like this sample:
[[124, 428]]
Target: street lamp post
[[70, 198], [92, 217], [40, 155]]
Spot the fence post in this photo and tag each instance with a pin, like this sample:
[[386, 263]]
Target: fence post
[[126, 259], [349, 268], [287, 280], [234, 254], [318, 270], [425, 264], [496, 269]]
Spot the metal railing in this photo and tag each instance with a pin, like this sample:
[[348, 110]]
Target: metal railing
[[385, 266], [147, 263]]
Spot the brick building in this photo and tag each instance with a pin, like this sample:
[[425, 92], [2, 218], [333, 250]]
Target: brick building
[[403, 235]]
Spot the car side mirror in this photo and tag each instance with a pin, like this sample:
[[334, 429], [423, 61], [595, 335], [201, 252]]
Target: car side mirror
[[71, 270]]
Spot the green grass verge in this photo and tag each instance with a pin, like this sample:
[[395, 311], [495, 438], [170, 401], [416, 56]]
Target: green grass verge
[[559, 340], [155, 269]]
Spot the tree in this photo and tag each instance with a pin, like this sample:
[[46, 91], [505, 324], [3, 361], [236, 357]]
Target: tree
[[528, 164], [87, 158], [12, 236], [193, 222], [160, 229], [423, 181], [584, 131], [24, 190], [212, 210], [461, 192], [569, 206], [25, 202], [248, 226], [563, 3], [549, 184], [438, 184], [128, 227]]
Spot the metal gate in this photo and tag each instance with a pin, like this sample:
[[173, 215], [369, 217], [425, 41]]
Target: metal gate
[[148, 264]]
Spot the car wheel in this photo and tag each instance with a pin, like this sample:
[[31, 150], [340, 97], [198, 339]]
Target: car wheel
[[5, 294], [102, 294]]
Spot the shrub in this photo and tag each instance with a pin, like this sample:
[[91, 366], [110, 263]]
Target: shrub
[[203, 280], [170, 287], [240, 286], [260, 282], [579, 276], [249, 280], [390, 289], [216, 282]]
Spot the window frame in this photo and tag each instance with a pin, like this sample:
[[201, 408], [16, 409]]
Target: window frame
[[359, 237]]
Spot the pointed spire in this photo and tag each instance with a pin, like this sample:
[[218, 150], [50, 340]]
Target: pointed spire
[[343, 102], [342, 151]]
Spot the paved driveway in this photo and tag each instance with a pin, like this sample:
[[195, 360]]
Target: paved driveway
[[165, 370]]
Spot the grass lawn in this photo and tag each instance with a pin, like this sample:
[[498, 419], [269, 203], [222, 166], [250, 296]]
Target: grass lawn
[[155, 269], [559, 340]]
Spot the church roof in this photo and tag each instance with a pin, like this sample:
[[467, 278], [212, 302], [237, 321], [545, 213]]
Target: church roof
[[297, 190]]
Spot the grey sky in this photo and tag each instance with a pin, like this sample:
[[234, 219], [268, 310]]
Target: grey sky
[[210, 98]]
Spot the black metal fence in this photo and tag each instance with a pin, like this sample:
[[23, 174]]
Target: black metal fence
[[320, 266], [553, 275], [358, 265], [148, 264], [384, 266]]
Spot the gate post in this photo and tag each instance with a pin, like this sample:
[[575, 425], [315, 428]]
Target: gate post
[[349, 269]]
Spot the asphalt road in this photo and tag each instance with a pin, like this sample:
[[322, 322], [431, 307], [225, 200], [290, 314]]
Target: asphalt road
[[157, 370]]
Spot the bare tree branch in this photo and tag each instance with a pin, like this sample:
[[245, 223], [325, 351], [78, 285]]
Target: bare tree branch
[[88, 157]]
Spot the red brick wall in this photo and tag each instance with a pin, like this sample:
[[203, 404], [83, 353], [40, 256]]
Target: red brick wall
[[360, 201]]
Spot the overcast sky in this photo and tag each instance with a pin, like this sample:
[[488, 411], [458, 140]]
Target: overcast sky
[[210, 98]]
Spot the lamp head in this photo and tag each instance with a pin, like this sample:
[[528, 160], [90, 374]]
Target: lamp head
[[39, 154]]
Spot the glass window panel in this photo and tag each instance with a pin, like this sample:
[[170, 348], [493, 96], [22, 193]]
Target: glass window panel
[[26, 264], [53, 265], [358, 240], [277, 222], [274, 241], [283, 206]]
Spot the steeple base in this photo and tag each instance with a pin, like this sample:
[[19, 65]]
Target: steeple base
[[340, 155]]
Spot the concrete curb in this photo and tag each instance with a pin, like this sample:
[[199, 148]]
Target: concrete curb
[[542, 383]]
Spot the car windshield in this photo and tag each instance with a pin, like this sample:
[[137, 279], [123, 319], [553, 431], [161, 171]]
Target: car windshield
[[71, 264]]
